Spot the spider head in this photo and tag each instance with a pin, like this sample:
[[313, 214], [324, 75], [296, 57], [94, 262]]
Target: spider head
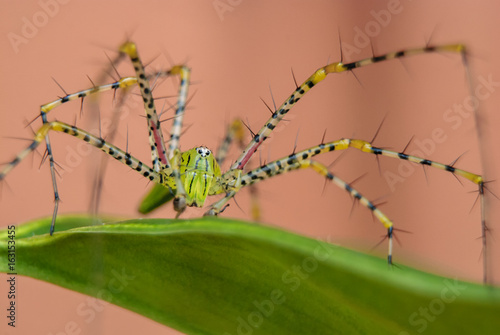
[[204, 152]]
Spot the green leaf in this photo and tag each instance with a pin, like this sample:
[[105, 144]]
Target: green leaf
[[219, 276], [156, 197]]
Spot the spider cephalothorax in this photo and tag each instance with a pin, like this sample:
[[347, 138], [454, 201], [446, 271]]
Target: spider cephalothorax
[[200, 174]]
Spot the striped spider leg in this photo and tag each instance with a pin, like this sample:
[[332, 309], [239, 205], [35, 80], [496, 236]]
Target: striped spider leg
[[302, 159]]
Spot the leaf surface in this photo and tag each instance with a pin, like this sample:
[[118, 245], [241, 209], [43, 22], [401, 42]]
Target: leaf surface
[[220, 276]]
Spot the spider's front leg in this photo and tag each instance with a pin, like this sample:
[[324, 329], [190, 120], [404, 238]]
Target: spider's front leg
[[169, 162], [318, 76]]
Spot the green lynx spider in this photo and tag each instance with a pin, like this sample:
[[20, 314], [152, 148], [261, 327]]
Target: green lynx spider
[[193, 175]]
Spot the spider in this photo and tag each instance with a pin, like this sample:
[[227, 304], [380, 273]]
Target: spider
[[191, 176]]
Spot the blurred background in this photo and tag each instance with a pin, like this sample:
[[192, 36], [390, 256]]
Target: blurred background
[[237, 50]]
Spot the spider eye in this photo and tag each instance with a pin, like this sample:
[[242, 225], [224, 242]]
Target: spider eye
[[204, 152]]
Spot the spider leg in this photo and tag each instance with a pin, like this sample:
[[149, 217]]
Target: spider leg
[[120, 84], [159, 195], [236, 132], [174, 152], [158, 150], [118, 104], [184, 73], [280, 165], [367, 147], [302, 159], [98, 181], [317, 77], [290, 163], [97, 142]]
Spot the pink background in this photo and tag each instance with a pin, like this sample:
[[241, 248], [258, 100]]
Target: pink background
[[235, 56]]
